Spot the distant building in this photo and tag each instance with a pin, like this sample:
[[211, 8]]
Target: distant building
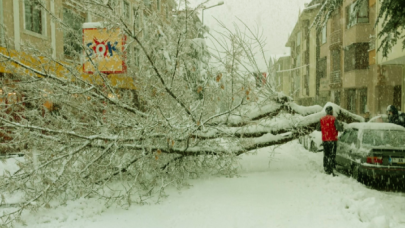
[[340, 63], [283, 75], [302, 43]]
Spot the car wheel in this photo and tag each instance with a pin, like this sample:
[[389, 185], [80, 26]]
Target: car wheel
[[354, 171], [313, 147], [357, 175]]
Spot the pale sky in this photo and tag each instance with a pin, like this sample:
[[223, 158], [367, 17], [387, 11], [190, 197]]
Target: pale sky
[[275, 17]]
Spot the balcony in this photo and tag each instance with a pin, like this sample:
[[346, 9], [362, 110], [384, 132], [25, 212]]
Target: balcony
[[335, 80], [335, 39]]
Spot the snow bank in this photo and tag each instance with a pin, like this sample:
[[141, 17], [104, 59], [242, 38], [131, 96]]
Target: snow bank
[[10, 165], [279, 187]]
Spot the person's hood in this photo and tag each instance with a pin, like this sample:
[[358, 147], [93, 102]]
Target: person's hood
[[392, 109]]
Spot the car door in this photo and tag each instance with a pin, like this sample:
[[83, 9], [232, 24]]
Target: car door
[[342, 148], [353, 146]]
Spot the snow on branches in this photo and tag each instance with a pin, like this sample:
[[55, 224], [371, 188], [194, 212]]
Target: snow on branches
[[125, 138]]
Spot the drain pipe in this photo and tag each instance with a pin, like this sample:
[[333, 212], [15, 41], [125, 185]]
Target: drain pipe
[[2, 35]]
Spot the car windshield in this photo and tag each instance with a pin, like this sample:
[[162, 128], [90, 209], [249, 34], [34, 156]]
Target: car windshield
[[384, 138]]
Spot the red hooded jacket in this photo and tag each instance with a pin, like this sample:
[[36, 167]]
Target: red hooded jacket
[[328, 128]]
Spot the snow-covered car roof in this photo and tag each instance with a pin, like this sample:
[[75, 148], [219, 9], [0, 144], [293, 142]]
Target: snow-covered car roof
[[375, 126], [382, 118]]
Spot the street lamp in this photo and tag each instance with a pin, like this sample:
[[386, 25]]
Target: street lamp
[[202, 21], [205, 8]]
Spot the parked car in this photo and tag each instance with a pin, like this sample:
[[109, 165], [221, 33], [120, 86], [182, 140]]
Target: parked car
[[312, 142], [382, 118], [372, 151]]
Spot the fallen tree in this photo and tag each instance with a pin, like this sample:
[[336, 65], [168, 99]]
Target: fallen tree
[[126, 146]]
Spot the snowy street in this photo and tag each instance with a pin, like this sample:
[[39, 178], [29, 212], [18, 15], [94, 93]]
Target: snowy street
[[191, 114], [291, 191]]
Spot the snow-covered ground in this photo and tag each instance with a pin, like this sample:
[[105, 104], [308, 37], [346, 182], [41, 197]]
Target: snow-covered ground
[[290, 191]]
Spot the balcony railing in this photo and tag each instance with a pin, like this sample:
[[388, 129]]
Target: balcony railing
[[335, 77], [336, 37]]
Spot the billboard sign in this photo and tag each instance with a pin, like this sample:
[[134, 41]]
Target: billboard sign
[[104, 48]]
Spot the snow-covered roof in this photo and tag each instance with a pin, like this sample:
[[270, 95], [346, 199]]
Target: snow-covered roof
[[92, 25], [376, 126]]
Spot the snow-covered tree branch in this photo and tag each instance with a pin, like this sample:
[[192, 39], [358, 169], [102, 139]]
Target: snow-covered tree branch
[[174, 115]]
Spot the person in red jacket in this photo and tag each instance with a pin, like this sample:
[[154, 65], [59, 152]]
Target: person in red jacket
[[329, 126]]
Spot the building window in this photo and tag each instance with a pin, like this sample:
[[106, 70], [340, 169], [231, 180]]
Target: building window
[[33, 17], [148, 4], [322, 68], [158, 5], [335, 24], [72, 36], [297, 82], [351, 100], [137, 58], [128, 56], [356, 56], [397, 97], [298, 59], [136, 18], [306, 84], [133, 56], [335, 60], [146, 28], [337, 97], [298, 39], [372, 42], [115, 4], [361, 16], [323, 34], [126, 10], [363, 101]]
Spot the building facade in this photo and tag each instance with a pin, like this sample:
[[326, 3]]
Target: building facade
[[26, 24], [349, 70], [283, 75], [302, 42], [33, 34]]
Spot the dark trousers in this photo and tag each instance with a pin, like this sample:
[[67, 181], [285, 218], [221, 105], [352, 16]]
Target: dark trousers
[[329, 158]]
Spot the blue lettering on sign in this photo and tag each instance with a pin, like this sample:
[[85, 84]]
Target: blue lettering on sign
[[90, 49], [112, 48], [108, 51]]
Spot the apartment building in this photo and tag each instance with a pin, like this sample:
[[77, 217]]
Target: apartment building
[[29, 32], [24, 24], [385, 67], [349, 70], [283, 75], [302, 74]]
